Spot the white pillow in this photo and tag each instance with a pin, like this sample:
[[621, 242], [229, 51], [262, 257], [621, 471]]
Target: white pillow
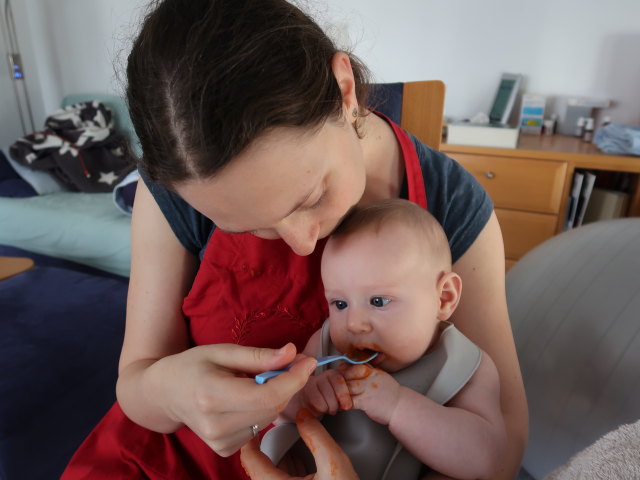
[[82, 227]]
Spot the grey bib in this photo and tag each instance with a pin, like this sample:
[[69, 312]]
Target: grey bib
[[373, 450]]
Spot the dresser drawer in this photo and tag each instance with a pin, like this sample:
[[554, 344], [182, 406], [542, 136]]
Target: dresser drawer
[[524, 230], [518, 183]]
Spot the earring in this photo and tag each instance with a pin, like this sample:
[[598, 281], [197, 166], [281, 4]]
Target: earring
[[354, 112]]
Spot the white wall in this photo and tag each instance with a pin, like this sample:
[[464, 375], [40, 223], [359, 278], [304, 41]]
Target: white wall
[[69, 46], [563, 47]]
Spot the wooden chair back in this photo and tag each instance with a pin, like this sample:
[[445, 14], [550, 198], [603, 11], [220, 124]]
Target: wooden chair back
[[423, 110]]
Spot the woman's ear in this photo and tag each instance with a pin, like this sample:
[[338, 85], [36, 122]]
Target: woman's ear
[[342, 71], [449, 288]]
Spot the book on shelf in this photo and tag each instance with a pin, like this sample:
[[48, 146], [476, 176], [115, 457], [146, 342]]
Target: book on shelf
[[585, 196], [574, 197], [606, 204]]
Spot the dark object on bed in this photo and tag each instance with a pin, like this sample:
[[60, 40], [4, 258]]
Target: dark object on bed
[[79, 147], [58, 361]]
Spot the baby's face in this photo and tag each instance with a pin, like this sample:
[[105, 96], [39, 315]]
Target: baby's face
[[382, 294]]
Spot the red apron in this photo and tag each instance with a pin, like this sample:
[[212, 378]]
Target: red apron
[[248, 291]]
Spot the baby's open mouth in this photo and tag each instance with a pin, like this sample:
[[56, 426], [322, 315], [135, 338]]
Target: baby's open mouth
[[361, 353]]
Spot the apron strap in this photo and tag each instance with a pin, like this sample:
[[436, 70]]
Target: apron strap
[[415, 181]]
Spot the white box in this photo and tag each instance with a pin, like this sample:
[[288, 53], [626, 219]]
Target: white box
[[484, 135]]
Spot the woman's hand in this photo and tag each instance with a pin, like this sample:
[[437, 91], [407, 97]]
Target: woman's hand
[[331, 461], [211, 390]]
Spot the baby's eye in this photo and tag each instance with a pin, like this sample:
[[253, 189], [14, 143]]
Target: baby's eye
[[379, 301], [340, 304]]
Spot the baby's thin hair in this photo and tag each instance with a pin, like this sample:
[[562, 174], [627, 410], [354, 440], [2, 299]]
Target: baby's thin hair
[[394, 212]]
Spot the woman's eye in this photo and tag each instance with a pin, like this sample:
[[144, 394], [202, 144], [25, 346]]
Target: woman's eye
[[379, 301], [340, 304], [317, 204]]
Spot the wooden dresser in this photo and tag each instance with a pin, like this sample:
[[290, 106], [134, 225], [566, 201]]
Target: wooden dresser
[[530, 184]]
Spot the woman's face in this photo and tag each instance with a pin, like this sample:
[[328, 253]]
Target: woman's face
[[287, 184]]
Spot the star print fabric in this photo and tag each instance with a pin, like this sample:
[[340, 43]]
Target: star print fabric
[[79, 148]]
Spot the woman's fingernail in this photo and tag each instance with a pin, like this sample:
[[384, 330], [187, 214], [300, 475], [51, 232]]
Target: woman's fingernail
[[313, 367]]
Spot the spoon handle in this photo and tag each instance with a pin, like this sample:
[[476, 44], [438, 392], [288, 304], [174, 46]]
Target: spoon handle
[[263, 377], [330, 358]]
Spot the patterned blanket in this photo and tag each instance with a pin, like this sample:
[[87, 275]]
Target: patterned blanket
[[79, 148]]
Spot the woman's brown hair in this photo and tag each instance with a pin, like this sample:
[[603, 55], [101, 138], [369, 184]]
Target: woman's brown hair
[[206, 77]]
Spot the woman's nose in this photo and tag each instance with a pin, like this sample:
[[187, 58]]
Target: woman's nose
[[301, 238]]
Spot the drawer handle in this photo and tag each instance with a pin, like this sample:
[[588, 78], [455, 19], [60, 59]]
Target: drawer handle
[[490, 175]]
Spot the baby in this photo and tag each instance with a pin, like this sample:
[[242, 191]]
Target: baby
[[430, 397]]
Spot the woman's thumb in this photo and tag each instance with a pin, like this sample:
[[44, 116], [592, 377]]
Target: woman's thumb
[[250, 359], [331, 461]]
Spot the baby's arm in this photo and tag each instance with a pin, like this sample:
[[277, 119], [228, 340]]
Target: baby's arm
[[463, 439], [324, 393]]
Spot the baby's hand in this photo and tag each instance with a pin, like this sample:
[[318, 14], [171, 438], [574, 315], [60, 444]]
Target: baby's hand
[[372, 390], [326, 393]]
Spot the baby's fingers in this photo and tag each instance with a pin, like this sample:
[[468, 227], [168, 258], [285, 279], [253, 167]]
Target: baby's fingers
[[341, 391], [357, 387], [356, 372]]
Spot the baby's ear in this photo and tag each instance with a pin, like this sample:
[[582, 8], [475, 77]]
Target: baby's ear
[[449, 288]]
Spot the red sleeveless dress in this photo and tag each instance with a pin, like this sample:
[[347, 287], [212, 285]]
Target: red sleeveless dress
[[248, 291]]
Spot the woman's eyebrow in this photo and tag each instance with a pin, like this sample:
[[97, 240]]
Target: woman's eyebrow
[[298, 205]]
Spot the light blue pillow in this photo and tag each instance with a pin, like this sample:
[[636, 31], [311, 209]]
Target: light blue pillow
[[41, 181], [82, 227]]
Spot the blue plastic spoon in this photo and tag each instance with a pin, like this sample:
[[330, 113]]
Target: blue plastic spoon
[[263, 377]]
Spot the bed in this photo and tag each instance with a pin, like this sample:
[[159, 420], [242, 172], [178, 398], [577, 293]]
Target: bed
[[62, 323]]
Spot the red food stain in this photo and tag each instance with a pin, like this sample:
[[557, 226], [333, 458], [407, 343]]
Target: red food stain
[[302, 416], [334, 468], [345, 401]]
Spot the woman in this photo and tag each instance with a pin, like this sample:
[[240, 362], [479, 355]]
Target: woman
[[256, 144]]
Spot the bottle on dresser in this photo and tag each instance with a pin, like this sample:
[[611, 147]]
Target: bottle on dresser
[[587, 135]]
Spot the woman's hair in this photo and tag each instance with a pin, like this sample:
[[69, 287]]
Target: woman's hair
[[207, 77]]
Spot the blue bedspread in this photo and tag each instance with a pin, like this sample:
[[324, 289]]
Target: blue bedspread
[[61, 330]]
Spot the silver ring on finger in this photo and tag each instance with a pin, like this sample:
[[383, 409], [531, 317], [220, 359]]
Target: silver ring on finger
[[254, 430]]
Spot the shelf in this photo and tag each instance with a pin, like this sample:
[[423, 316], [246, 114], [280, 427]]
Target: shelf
[[558, 148]]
